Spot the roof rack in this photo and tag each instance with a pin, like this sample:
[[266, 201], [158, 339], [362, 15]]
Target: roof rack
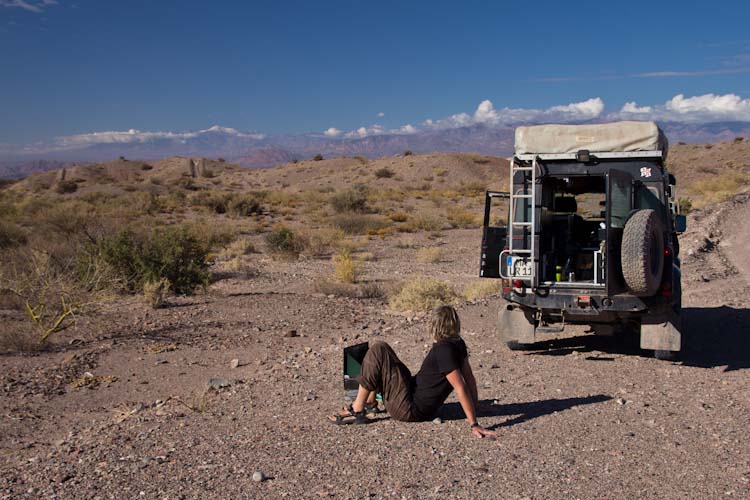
[[600, 156]]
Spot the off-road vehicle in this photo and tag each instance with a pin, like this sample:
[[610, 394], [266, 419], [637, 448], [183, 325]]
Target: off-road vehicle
[[590, 236]]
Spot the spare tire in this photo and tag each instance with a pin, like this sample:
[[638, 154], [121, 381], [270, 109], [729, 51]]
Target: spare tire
[[642, 252]]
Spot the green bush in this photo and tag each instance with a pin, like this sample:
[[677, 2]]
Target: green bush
[[173, 254], [318, 157], [283, 241], [686, 205], [66, 187], [353, 223], [351, 200], [244, 205], [422, 294], [11, 235], [384, 173]]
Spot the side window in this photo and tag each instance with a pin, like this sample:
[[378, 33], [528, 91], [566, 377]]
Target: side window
[[649, 196], [619, 200]]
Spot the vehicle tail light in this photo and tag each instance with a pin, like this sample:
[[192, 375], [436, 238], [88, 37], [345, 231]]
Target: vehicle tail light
[[517, 283], [666, 290], [506, 286], [667, 252]]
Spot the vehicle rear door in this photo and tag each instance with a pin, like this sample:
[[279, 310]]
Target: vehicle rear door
[[494, 237]]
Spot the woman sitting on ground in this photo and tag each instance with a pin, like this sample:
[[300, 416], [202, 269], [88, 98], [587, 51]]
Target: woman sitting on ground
[[415, 399]]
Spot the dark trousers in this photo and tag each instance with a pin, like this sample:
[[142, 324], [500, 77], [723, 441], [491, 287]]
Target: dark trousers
[[385, 374]]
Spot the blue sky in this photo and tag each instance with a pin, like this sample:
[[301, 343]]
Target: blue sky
[[79, 66]]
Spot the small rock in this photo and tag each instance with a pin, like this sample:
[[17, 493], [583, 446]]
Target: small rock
[[161, 362], [235, 363], [705, 278], [437, 420], [621, 401], [308, 350], [220, 383], [291, 333], [258, 476]]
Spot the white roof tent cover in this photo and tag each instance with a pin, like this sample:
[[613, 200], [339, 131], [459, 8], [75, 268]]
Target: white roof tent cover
[[596, 138]]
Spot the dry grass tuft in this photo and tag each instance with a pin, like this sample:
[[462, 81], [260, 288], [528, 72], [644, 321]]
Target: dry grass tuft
[[430, 255], [422, 294], [481, 289], [155, 292], [345, 267]]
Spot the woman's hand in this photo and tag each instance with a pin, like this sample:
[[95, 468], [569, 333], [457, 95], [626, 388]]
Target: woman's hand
[[481, 432]]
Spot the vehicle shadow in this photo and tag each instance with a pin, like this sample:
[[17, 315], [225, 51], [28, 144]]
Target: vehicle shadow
[[716, 336], [522, 411], [711, 336]]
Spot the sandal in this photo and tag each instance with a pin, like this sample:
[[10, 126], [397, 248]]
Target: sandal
[[350, 417], [373, 408]]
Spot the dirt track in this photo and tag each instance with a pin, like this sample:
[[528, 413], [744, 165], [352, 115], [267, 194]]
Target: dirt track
[[581, 417]]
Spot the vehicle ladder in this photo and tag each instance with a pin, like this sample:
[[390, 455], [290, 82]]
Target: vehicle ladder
[[523, 221]]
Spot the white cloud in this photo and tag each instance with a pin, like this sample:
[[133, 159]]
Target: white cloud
[[28, 6], [698, 109], [332, 132], [135, 136], [487, 114], [632, 107], [381, 114], [408, 129], [366, 132]]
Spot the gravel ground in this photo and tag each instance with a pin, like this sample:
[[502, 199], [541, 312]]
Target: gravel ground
[[129, 414]]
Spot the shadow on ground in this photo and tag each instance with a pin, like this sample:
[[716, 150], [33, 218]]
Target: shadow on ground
[[711, 337], [522, 411], [716, 336]]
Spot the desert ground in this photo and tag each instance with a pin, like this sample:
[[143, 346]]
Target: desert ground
[[191, 399]]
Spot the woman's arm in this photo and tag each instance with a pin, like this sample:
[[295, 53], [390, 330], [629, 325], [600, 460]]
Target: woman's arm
[[456, 379], [471, 382]]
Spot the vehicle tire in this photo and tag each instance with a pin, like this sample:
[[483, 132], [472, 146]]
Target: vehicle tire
[[517, 346], [642, 253], [667, 355]]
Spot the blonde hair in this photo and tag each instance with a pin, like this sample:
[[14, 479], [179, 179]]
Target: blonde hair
[[444, 323]]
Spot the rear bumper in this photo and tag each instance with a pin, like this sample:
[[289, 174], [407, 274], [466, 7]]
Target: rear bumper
[[584, 305]]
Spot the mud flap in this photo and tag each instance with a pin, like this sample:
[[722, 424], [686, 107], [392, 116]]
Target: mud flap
[[662, 332], [514, 326]]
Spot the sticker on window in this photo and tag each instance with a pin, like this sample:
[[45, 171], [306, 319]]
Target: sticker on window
[[645, 171]]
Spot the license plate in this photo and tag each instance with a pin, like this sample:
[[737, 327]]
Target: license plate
[[519, 267]]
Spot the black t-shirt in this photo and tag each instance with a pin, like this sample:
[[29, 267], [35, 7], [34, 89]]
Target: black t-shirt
[[431, 387]]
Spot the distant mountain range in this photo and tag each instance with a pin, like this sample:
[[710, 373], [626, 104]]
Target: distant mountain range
[[254, 150]]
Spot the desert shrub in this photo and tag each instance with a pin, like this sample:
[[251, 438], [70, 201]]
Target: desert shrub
[[339, 289], [358, 223], [408, 152], [430, 255], [384, 173], [174, 254], [481, 289], [283, 242], [461, 218], [66, 187], [241, 205], [188, 184], [52, 291], [244, 205], [685, 205], [350, 200], [155, 292], [399, 216], [425, 222], [11, 235], [472, 188], [422, 294], [739, 139], [361, 159], [345, 267], [323, 241], [237, 248], [318, 157]]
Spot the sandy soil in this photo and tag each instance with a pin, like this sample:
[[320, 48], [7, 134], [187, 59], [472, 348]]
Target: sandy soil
[[126, 413]]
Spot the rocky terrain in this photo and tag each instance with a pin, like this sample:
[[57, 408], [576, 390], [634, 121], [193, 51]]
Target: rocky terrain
[[191, 400]]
